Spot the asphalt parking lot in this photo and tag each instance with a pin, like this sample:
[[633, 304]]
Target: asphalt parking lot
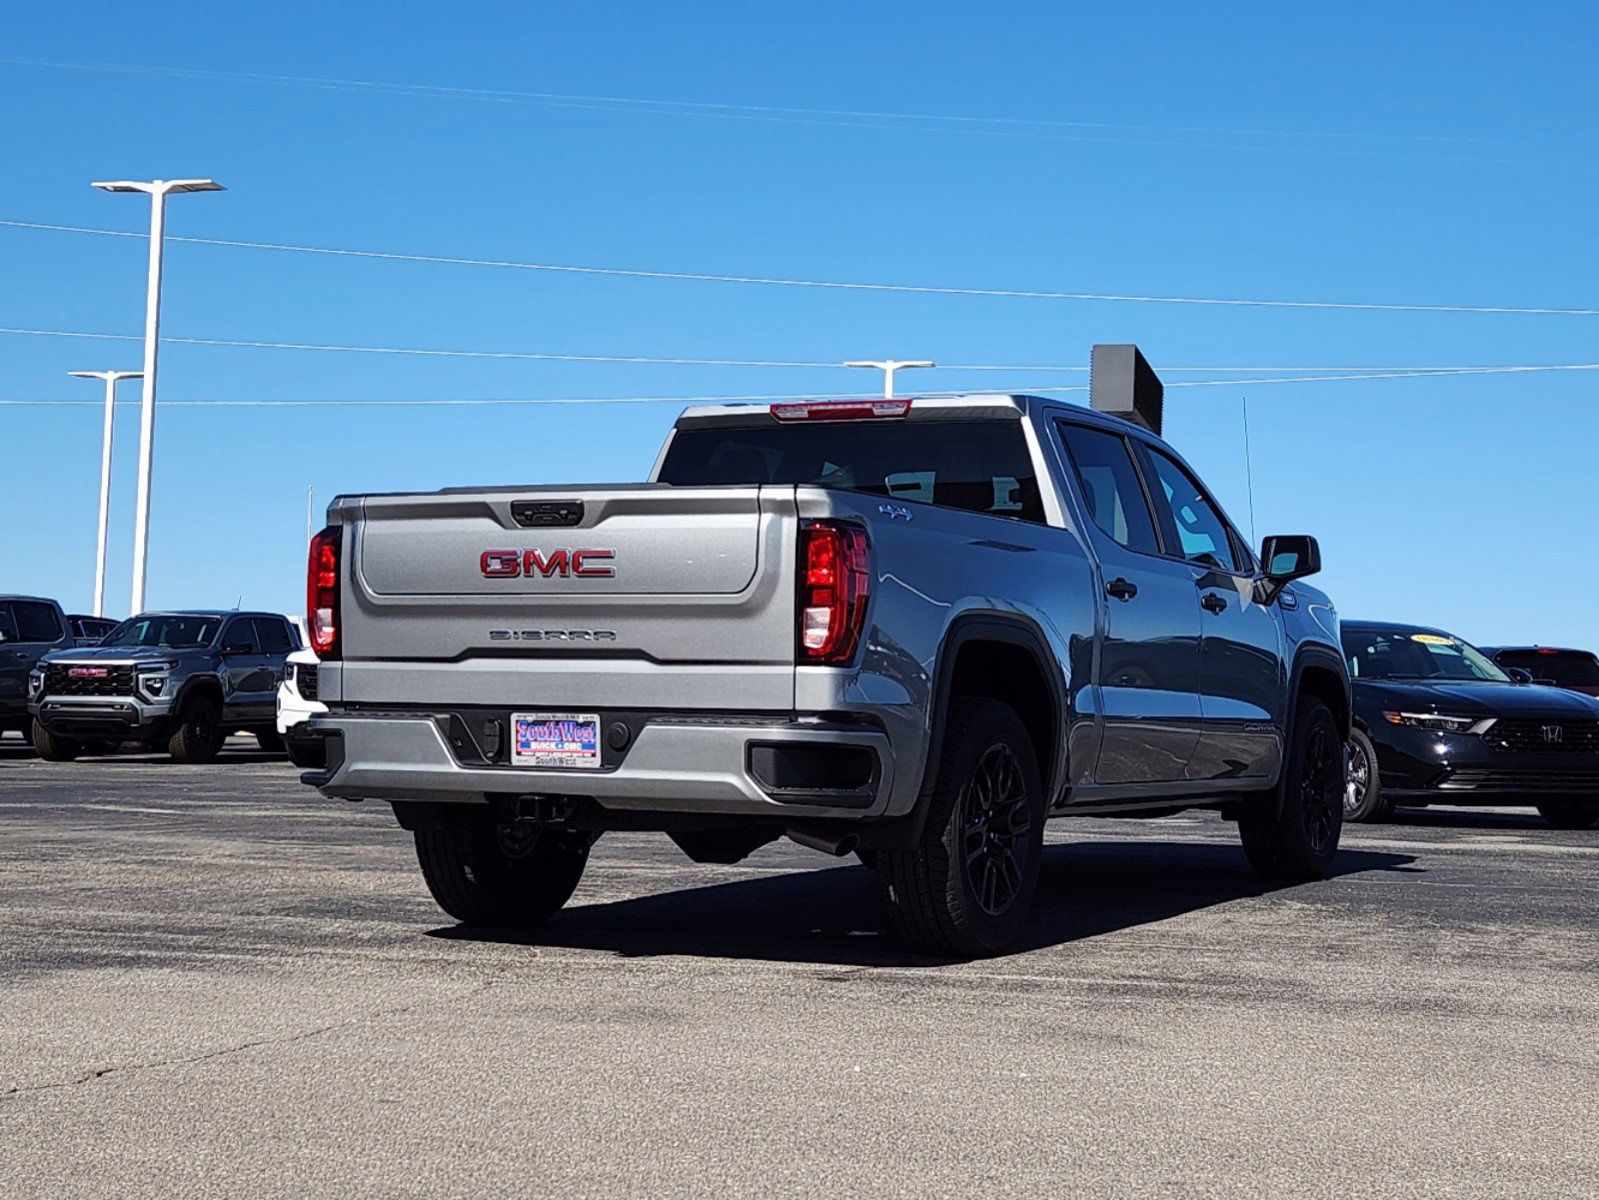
[[216, 983]]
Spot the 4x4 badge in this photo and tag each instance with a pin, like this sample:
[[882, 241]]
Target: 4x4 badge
[[895, 511]]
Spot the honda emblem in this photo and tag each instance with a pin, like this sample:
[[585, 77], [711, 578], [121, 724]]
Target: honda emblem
[[1553, 734]]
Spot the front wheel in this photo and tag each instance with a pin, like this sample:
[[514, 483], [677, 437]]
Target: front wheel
[[1292, 835], [52, 747], [199, 733], [1363, 798], [1570, 814], [487, 868], [965, 888]]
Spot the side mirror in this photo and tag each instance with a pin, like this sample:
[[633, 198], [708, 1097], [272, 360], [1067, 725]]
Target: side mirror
[[1519, 674], [1287, 556]]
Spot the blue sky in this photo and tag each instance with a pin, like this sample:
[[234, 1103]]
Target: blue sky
[[1409, 154]]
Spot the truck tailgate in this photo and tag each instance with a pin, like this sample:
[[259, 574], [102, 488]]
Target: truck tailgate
[[683, 598]]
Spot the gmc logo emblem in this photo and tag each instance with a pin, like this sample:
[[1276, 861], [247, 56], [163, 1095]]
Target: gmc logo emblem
[[582, 564], [87, 672]]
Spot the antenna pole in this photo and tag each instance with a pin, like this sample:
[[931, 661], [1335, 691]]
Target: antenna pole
[[1249, 474]]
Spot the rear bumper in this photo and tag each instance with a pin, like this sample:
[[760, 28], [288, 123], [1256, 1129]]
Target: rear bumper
[[704, 764]]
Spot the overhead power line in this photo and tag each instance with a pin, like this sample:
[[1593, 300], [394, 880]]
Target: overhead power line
[[647, 360], [833, 284], [1043, 128], [745, 398]]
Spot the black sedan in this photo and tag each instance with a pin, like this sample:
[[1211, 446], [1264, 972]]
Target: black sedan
[[1436, 722]]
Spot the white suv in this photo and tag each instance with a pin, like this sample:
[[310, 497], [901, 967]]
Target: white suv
[[297, 700]]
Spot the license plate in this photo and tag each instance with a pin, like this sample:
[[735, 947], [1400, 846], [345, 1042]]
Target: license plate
[[570, 740]]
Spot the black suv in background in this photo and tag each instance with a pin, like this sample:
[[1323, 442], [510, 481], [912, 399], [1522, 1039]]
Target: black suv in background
[[183, 680], [30, 627], [1577, 670], [1436, 722]]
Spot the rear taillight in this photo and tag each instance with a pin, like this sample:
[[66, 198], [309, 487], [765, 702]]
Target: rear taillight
[[835, 583], [322, 593]]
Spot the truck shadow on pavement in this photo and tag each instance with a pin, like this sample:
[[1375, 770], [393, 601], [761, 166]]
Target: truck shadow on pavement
[[834, 916]]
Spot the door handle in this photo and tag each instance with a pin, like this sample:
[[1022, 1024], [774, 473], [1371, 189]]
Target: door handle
[[1212, 602], [1121, 589]]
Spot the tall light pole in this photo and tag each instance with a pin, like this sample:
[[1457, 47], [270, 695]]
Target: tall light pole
[[158, 190], [112, 378], [888, 366]]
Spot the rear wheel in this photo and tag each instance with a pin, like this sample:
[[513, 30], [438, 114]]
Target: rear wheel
[[52, 747], [199, 733], [965, 888], [493, 868], [1293, 835], [1570, 814], [1363, 798]]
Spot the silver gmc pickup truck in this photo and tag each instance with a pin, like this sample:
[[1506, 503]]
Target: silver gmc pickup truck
[[911, 630]]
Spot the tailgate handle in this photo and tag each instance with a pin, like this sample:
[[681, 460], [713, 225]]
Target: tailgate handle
[[543, 514]]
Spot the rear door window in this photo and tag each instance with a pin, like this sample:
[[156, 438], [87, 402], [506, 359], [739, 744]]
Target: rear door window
[[31, 621], [1108, 477], [272, 636], [978, 466]]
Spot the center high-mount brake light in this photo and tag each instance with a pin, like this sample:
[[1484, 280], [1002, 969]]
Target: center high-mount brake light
[[835, 583], [842, 410], [322, 593]]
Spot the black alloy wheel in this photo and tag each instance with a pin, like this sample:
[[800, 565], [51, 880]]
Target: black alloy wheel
[[996, 818]]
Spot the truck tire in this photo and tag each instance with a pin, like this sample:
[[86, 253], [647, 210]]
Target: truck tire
[[1296, 840], [52, 747], [482, 873], [1570, 814], [199, 733], [270, 740], [1363, 798], [965, 888]]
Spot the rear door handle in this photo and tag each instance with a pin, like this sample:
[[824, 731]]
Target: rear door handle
[[1212, 602], [1121, 589]]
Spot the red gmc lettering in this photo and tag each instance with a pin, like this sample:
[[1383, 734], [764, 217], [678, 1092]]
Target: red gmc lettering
[[500, 564], [563, 563], [581, 560], [556, 564]]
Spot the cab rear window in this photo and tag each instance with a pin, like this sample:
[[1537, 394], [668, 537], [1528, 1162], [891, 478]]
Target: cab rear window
[[978, 466]]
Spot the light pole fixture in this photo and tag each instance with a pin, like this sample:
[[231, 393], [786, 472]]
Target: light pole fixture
[[111, 378], [158, 190], [888, 366]]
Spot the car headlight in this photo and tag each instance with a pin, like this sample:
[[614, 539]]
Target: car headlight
[[1441, 722], [152, 677]]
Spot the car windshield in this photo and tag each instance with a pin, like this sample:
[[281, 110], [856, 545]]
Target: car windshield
[[172, 632], [1564, 668], [1416, 654]]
